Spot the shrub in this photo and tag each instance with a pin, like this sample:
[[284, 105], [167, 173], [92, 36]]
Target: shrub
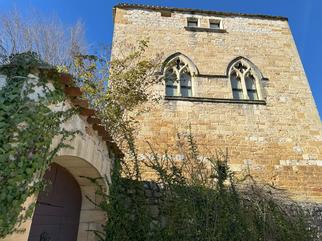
[[198, 199]]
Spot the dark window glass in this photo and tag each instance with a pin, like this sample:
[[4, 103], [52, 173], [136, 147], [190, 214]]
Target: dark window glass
[[171, 83], [238, 94], [236, 87], [192, 22], [171, 90], [252, 94], [251, 87], [185, 85], [215, 25]]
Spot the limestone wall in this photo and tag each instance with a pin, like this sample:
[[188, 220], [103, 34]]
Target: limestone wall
[[280, 141]]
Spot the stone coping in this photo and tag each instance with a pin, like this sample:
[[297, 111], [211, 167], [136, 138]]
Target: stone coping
[[196, 11]]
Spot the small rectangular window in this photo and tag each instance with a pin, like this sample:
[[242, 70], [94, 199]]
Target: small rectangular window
[[214, 24], [192, 22], [165, 14]]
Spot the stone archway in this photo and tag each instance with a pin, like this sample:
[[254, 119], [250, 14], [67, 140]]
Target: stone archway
[[56, 216], [91, 217], [89, 157]]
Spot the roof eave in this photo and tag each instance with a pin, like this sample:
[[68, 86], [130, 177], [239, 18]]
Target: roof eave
[[196, 11]]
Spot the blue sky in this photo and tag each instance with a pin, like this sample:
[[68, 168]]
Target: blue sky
[[305, 19]]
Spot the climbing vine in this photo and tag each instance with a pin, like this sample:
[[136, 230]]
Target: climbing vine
[[31, 114], [118, 88]]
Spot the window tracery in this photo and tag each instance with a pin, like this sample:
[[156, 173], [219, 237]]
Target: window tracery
[[178, 78], [245, 82]]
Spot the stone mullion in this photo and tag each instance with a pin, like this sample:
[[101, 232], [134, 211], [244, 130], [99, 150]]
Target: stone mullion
[[179, 79], [178, 85], [243, 83]]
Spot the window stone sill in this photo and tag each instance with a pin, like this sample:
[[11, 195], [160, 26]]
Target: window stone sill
[[215, 100], [198, 29]]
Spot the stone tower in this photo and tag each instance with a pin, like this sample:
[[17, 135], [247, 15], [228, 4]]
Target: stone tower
[[241, 86]]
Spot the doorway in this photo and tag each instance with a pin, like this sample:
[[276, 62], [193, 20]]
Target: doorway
[[56, 216]]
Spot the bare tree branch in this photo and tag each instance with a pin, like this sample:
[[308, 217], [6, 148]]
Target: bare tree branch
[[56, 43]]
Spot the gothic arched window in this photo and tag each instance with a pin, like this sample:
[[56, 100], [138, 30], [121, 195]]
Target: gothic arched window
[[245, 80], [178, 75]]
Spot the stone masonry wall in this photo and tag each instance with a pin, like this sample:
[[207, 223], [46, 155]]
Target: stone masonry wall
[[279, 142]]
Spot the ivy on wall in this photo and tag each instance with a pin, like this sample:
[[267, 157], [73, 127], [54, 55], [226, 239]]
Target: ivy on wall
[[28, 125]]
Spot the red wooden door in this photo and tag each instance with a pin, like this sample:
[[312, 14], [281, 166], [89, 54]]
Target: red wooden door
[[56, 216]]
